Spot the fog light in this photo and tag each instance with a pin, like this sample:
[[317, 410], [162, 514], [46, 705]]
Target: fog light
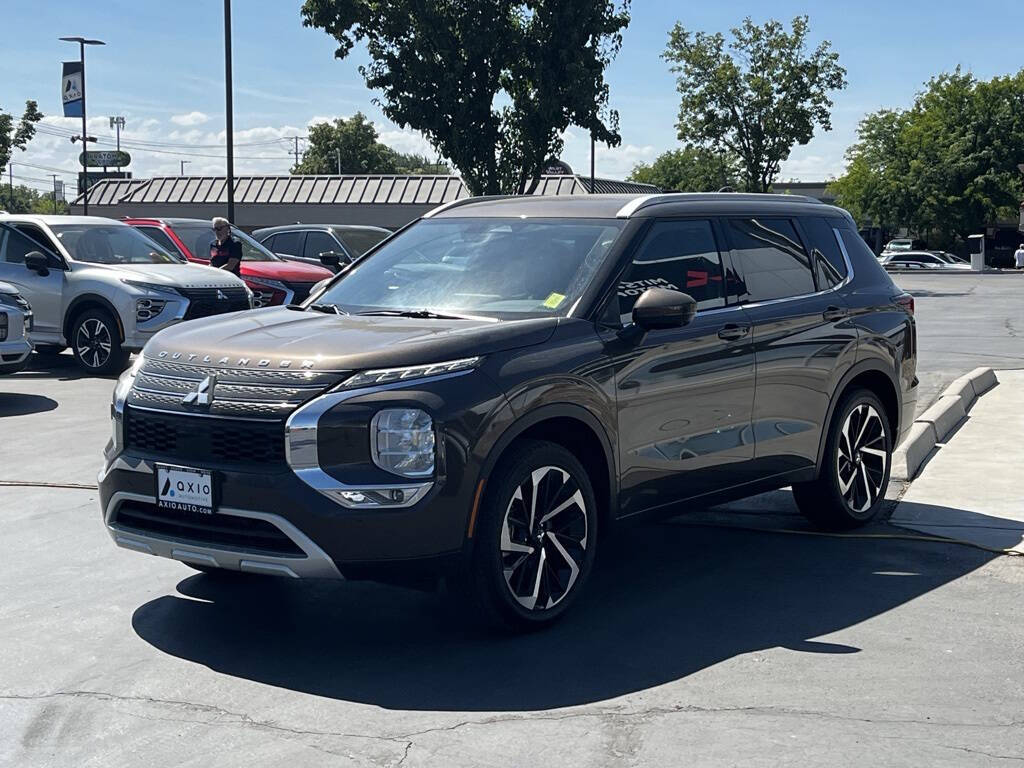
[[402, 441]]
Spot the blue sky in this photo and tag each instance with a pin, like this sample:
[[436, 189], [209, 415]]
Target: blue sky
[[162, 68]]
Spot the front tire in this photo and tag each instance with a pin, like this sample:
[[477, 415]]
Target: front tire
[[850, 489], [535, 538], [96, 343]]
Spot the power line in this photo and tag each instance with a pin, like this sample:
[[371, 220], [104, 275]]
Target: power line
[[56, 130]]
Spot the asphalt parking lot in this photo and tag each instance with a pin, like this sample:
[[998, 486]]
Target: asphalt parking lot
[[694, 644]]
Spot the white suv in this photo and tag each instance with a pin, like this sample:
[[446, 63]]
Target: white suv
[[103, 288], [15, 323]]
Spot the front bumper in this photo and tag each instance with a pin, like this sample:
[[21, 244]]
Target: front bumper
[[316, 535], [14, 352]]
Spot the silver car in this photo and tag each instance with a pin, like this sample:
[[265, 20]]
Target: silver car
[[15, 324], [103, 288]]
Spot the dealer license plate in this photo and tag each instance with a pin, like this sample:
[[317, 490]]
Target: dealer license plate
[[184, 489]]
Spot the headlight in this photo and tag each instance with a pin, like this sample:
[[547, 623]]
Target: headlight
[[151, 287], [402, 441], [266, 293], [388, 375]]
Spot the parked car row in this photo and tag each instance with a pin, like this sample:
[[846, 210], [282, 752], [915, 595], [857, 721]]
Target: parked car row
[[900, 260], [333, 246], [105, 287]]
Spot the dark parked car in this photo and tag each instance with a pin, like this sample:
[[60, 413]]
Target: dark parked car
[[494, 390], [332, 245]]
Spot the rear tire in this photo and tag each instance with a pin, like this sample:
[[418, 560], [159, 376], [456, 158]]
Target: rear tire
[[534, 540], [850, 489], [96, 343]]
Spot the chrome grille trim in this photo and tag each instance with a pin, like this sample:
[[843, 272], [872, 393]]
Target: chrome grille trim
[[239, 393]]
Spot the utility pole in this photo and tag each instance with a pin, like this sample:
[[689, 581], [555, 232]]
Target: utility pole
[[296, 150], [337, 156], [592, 147], [117, 122], [54, 175], [183, 164], [10, 182], [82, 42], [230, 113]]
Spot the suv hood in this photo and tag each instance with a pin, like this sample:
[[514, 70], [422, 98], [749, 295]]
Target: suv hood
[[288, 271], [340, 342], [179, 275]]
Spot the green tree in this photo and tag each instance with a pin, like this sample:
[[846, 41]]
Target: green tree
[[492, 84], [758, 99], [946, 167], [28, 200], [690, 169], [352, 142], [16, 135]]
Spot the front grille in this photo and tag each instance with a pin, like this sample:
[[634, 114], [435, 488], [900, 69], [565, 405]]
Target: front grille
[[216, 530], [203, 442], [206, 302], [243, 393], [301, 291]]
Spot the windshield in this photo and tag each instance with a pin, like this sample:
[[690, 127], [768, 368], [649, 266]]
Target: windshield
[[199, 237], [359, 241], [479, 266], [111, 244]]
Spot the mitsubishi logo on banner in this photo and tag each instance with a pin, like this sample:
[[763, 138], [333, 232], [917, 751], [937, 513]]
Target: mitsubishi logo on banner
[[71, 89], [202, 394]]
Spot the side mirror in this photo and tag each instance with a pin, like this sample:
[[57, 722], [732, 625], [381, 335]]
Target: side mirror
[[36, 262], [330, 259], [663, 308]]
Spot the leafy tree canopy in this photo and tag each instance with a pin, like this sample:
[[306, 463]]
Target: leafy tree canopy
[[353, 144], [945, 168], [757, 97], [16, 135], [492, 84], [691, 169], [28, 200]]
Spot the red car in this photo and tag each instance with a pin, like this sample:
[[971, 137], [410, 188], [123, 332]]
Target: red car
[[271, 279]]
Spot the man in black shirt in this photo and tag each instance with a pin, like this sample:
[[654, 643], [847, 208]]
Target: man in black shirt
[[225, 250]]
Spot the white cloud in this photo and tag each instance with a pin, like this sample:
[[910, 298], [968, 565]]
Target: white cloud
[[191, 118], [409, 142]]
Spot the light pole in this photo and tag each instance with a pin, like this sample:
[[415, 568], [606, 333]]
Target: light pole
[[229, 111], [183, 164], [117, 122], [82, 42], [337, 156]]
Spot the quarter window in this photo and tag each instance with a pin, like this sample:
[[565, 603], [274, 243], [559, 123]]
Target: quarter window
[[771, 262], [680, 256], [829, 265]]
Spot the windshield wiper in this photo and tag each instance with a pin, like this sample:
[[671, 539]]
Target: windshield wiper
[[328, 309], [426, 314]]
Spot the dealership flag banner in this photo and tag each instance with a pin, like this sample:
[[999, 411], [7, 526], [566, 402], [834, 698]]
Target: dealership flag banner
[[71, 89]]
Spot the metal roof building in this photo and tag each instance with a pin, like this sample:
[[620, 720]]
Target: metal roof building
[[264, 201]]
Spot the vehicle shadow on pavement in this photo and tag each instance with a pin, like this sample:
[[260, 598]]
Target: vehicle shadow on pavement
[[666, 601], [20, 404], [59, 367]]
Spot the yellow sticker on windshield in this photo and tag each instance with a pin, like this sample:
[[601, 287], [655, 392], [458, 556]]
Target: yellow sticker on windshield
[[552, 301]]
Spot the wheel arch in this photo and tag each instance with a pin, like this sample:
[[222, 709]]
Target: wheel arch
[[873, 376], [580, 432], [86, 302]]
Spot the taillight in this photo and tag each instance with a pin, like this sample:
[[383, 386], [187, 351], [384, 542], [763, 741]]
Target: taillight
[[906, 301]]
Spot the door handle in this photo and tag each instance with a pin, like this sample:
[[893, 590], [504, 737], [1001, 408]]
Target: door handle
[[835, 313], [733, 332]]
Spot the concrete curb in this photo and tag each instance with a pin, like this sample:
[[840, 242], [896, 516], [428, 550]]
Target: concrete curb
[[935, 424]]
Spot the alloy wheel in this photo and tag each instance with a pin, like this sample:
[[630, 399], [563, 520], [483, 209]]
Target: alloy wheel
[[862, 458], [93, 342], [544, 538]]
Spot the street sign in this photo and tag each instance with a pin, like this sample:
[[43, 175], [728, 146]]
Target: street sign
[[556, 167], [71, 89], [107, 158]]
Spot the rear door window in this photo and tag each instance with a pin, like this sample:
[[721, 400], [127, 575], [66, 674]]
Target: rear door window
[[770, 261], [679, 255], [289, 243], [319, 242]]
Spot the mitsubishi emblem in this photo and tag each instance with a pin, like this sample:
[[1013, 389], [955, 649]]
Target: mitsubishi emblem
[[220, 295], [202, 394]]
